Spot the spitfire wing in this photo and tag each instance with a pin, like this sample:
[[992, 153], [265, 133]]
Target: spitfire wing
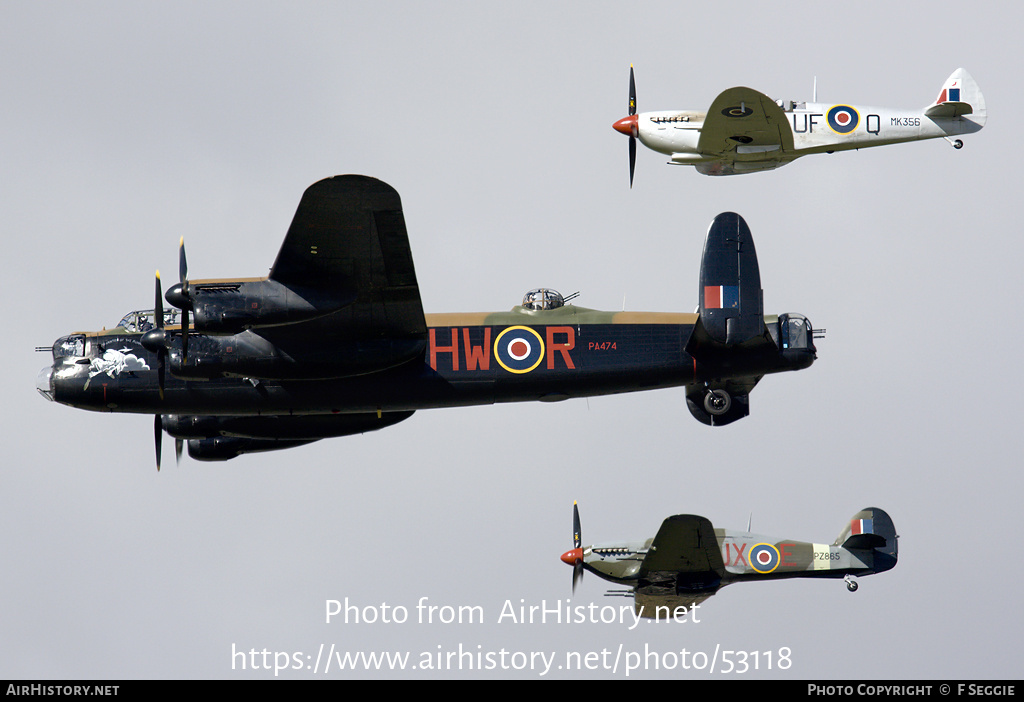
[[742, 121], [685, 550], [348, 240]]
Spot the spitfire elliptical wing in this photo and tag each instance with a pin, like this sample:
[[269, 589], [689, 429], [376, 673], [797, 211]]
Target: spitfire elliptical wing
[[743, 122]]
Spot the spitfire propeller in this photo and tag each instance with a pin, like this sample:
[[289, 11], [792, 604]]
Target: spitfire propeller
[[627, 125], [575, 556]]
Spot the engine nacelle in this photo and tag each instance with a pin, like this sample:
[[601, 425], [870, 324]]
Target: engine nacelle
[[250, 355], [230, 307], [224, 448], [288, 427]]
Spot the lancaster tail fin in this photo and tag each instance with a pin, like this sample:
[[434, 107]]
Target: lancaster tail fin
[[731, 301]]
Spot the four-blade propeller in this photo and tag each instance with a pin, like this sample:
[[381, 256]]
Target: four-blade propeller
[[157, 340]]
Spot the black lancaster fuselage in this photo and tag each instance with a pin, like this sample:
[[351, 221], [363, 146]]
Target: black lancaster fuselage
[[468, 359], [334, 341]]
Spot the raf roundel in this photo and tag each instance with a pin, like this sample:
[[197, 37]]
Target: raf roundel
[[842, 119], [764, 558], [737, 111], [519, 349]]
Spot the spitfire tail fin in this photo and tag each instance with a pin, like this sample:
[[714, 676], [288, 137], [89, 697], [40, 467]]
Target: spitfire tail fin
[[872, 529], [731, 302], [960, 99]]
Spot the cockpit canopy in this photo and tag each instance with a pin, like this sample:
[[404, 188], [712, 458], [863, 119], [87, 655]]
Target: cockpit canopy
[[543, 299], [791, 105], [142, 320]]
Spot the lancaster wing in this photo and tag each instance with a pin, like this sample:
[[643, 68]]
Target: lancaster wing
[[348, 240]]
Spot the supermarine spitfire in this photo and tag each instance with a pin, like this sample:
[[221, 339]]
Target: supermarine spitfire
[[335, 342], [745, 131], [689, 560]]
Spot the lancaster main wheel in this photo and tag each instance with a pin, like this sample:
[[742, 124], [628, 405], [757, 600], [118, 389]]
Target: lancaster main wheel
[[717, 402]]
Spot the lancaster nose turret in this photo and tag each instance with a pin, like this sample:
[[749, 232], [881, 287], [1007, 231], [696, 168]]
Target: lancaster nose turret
[[44, 383]]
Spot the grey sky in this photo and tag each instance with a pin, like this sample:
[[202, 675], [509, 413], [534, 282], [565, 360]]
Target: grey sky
[[127, 125]]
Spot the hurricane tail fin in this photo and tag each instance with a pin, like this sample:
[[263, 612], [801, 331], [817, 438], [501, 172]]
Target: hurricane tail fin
[[872, 529]]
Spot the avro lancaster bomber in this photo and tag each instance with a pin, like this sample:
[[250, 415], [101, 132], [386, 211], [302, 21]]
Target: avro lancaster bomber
[[334, 341]]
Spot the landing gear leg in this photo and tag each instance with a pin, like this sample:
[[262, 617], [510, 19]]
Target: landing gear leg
[[957, 143]]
